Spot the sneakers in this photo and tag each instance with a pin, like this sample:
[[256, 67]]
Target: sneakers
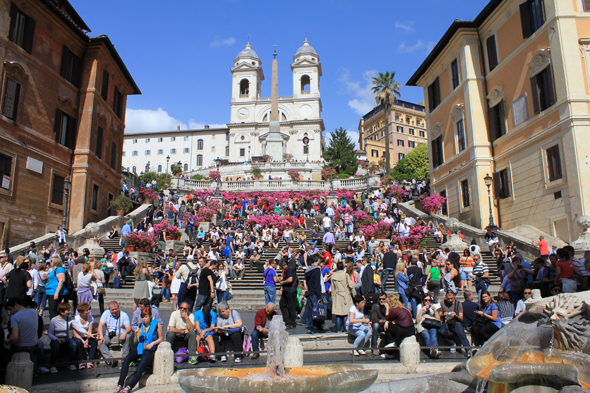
[[82, 366], [454, 350], [73, 367], [193, 360], [391, 345], [375, 352], [44, 370], [89, 365], [435, 353], [223, 358], [53, 370], [212, 359], [255, 356], [238, 360], [387, 356], [355, 353], [360, 351]]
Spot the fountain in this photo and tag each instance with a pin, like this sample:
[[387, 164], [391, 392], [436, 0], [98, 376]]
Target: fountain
[[276, 377]]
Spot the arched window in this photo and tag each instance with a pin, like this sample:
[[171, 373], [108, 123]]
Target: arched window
[[200, 160], [400, 156], [185, 167], [159, 168], [134, 169], [244, 88], [305, 84], [200, 144]]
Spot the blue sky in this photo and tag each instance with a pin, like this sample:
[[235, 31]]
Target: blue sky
[[180, 52]]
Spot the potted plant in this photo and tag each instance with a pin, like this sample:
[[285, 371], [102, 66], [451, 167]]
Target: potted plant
[[121, 204], [433, 203], [256, 172], [294, 175], [140, 241], [149, 196]]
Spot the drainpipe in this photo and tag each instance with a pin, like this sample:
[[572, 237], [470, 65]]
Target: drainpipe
[[485, 84]]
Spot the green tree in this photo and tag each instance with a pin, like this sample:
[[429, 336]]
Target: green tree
[[386, 92], [413, 165], [342, 152]]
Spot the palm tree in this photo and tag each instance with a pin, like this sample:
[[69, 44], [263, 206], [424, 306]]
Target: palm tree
[[386, 92]]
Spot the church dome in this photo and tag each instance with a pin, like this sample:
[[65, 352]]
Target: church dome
[[306, 49], [248, 52]]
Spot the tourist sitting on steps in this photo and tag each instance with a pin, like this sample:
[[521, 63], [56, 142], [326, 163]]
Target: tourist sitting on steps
[[451, 315], [114, 325], [229, 328], [181, 327], [398, 324], [488, 323], [426, 326], [356, 325], [261, 322], [378, 321], [205, 322]]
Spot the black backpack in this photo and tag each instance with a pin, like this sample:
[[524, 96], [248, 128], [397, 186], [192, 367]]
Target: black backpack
[[193, 276], [69, 285]]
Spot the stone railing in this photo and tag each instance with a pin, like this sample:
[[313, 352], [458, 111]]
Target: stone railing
[[274, 169], [523, 245], [75, 240]]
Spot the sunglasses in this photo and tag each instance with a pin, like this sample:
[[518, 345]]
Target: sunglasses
[[184, 308], [528, 293]]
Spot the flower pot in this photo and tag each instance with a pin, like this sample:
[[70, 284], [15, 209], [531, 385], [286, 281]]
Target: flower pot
[[130, 247], [169, 238], [139, 249], [403, 248]]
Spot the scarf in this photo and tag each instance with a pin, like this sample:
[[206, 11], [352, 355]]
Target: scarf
[[145, 339]]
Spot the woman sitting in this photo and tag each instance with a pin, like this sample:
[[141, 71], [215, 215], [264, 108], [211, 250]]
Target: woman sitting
[[398, 325], [83, 337], [229, 328], [59, 335], [505, 307], [489, 322], [147, 343], [275, 241], [356, 327], [426, 312], [239, 269], [205, 321]]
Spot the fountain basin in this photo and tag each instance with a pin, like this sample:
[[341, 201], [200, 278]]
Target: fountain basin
[[319, 379]]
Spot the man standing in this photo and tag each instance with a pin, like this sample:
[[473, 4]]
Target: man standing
[[415, 277], [288, 293], [367, 278], [270, 283], [389, 262], [181, 327], [451, 313], [328, 241], [543, 248], [114, 323], [481, 274], [261, 322], [313, 293], [206, 291], [188, 275], [17, 282]]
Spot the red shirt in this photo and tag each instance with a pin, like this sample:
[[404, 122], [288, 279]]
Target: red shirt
[[400, 316], [543, 247]]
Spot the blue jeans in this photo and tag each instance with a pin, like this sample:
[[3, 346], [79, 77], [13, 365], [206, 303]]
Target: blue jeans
[[221, 296], [384, 277], [270, 295], [430, 337], [457, 331], [311, 301], [165, 292], [340, 323], [91, 351], [56, 346], [362, 333], [40, 352], [414, 306], [41, 297], [256, 335], [377, 329], [201, 301], [402, 294]]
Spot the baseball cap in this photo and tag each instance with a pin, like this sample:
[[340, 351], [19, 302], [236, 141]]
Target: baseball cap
[[390, 247]]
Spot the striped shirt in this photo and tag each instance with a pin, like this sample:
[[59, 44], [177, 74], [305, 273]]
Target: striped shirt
[[480, 269]]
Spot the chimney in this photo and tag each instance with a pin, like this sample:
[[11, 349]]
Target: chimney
[[207, 127]]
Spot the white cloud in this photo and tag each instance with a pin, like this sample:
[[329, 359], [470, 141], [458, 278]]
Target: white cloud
[[406, 27], [419, 44], [352, 134], [147, 120], [220, 41], [364, 99]]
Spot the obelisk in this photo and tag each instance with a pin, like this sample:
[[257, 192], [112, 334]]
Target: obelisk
[[274, 139]]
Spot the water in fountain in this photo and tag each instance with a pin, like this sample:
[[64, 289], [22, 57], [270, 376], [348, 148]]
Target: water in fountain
[[481, 385], [277, 341]]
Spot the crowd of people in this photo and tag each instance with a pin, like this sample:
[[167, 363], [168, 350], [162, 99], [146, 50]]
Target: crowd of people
[[346, 282]]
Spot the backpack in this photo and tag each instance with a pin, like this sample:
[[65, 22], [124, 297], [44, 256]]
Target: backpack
[[193, 276], [69, 284], [117, 282]]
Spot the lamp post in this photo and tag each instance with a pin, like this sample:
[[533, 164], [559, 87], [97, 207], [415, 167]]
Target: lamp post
[[488, 181], [331, 182], [178, 165], [368, 185], [217, 191], [67, 187], [167, 161]]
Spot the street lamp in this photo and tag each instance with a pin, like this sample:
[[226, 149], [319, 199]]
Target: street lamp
[[488, 181], [178, 166], [67, 187], [217, 191], [167, 161], [368, 186], [249, 157], [331, 182]]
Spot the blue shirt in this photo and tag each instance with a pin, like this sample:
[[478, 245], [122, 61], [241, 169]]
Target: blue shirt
[[126, 230], [113, 324], [200, 319], [52, 282], [529, 276], [488, 310]]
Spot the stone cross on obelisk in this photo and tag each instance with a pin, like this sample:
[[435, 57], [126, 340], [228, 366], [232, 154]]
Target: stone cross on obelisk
[[274, 140]]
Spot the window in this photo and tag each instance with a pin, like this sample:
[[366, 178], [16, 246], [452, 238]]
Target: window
[[5, 169], [160, 140], [433, 95], [172, 138], [57, 190], [422, 134], [400, 156], [104, 86], [465, 193], [400, 142], [147, 140], [114, 155], [375, 153], [497, 121], [118, 103], [305, 84], [134, 153], [185, 150], [94, 197], [213, 136], [172, 151], [501, 184], [71, 67], [244, 88], [437, 152], [227, 136], [543, 90], [200, 144], [242, 152], [11, 95], [227, 151], [159, 168], [212, 149], [455, 73], [185, 167], [185, 138], [160, 152], [65, 129], [400, 129], [98, 150], [305, 149], [134, 169], [586, 5], [412, 132], [123, 153], [22, 28], [200, 160], [134, 141], [444, 207], [411, 144], [532, 16], [554, 163], [461, 136], [148, 152], [492, 53]]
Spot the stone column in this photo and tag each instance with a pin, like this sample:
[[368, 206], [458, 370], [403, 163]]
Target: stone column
[[293, 353], [19, 371], [409, 353], [164, 362]]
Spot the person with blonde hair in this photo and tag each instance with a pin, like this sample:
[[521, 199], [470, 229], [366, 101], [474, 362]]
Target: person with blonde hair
[[141, 288], [398, 324]]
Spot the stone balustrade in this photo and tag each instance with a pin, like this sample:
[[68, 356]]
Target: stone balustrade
[[358, 184]]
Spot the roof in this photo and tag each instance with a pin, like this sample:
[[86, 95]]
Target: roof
[[306, 48], [248, 52], [446, 38], [70, 16], [103, 39], [168, 133]]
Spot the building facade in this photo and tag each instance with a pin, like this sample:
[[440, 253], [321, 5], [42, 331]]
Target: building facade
[[62, 103], [407, 128], [194, 149], [508, 95]]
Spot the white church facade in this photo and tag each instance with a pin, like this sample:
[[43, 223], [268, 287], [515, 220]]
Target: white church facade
[[249, 133]]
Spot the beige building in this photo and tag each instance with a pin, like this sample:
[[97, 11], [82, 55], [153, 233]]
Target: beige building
[[407, 129], [508, 96]]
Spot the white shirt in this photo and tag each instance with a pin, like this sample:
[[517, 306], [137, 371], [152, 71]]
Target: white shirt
[[357, 315], [327, 222], [80, 327]]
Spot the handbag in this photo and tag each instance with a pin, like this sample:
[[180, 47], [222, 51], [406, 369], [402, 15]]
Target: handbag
[[101, 291], [431, 323], [319, 312]]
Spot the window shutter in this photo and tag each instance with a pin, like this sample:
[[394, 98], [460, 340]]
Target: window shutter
[[550, 85], [492, 123], [535, 90], [430, 98], [57, 125], [13, 11], [71, 133], [586, 5], [492, 52], [434, 154], [65, 61], [437, 91], [104, 85], [526, 19], [29, 33], [76, 71], [11, 99], [99, 132], [497, 185], [501, 119]]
